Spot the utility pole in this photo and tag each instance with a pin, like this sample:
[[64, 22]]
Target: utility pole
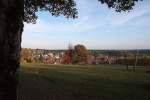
[[126, 60], [136, 60]]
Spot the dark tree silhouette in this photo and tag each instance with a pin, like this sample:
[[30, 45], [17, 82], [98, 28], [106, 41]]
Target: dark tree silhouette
[[12, 15], [55, 7], [120, 5]]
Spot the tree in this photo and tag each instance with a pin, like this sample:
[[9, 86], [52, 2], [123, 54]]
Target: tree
[[12, 15], [68, 57], [81, 54], [25, 55], [120, 5]]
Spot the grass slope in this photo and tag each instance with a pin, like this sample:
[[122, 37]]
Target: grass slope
[[80, 82]]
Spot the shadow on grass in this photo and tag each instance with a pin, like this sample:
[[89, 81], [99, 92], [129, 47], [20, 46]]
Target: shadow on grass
[[36, 86]]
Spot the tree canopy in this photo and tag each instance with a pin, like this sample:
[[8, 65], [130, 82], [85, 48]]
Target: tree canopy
[[55, 7], [120, 5], [67, 7], [81, 54]]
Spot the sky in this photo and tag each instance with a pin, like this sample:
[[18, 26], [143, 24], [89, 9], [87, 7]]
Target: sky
[[97, 27]]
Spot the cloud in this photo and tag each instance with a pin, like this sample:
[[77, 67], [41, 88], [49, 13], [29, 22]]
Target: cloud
[[80, 25], [138, 12], [96, 26], [86, 22]]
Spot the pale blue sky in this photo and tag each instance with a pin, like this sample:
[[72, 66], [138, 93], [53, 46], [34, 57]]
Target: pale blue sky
[[97, 27]]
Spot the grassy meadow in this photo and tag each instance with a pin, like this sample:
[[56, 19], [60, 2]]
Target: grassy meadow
[[83, 82]]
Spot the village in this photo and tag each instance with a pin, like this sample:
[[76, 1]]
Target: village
[[61, 57], [79, 54]]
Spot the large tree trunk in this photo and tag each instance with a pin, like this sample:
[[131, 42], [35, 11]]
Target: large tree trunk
[[11, 27]]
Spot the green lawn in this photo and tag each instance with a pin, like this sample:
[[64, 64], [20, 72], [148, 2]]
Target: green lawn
[[82, 82]]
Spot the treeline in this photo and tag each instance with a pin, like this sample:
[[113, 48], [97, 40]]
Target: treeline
[[141, 61]]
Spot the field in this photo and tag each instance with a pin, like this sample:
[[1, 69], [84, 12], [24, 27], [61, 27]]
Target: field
[[83, 82]]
